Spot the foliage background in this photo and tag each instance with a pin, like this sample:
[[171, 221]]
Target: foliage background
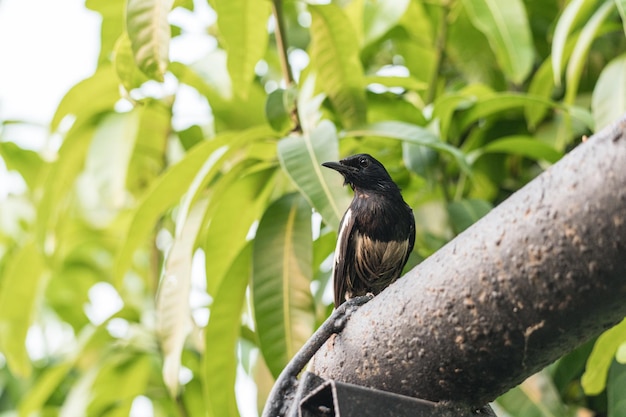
[[215, 239]]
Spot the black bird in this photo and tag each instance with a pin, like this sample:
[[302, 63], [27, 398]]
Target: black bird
[[376, 233]]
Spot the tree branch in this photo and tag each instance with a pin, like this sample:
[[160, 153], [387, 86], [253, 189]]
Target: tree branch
[[539, 275]]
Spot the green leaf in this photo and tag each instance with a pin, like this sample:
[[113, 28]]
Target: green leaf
[[26, 162], [541, 85], [89, 97], [231, 112], [276, 111], [621, 7], [535, 397], [575, 12], [23, 280], [102, 184], [608, 101], [420, 159], [616, 401], [173, 314], [301, 157], [505, 24], [594, 379], [413, 134], [444, 109], [46, 384], [335, 58], [127, 70], [239, 200], [170, 187], [149, 33], [408, 83], [243, 29], [282, 273], [526, 146], [221, 336], [59, 180], [465, 213], [578, 58], [380, 16]]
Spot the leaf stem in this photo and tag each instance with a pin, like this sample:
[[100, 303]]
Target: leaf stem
[[281, 43]]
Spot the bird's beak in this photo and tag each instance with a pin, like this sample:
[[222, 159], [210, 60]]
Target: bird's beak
[[342, 169]]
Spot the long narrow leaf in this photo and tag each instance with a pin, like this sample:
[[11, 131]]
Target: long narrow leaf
[[241, 202], [301, 157], [174, 183], [89, 97], [282, 273], [519, 145], [173, 314], [579, 54], [335, 57], [574, 12], [149, 33], [593, 380], [608, 101], [22, 283], [413, 134], [505, 24], [243, 27], [221, 335]]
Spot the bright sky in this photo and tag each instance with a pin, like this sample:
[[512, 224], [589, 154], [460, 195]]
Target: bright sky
[[45, 48]]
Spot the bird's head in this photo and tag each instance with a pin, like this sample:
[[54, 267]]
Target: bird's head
[[364, 173]]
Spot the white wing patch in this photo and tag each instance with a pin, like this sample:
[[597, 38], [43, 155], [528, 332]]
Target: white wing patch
[[342, 231]]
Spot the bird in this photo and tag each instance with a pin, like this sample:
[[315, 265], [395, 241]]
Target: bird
[[376, 233]]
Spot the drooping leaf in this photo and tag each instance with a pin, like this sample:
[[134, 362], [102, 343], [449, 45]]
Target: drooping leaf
[[608, 101], [301, 157], [282, 273], [170, 187], [89, 97], [221, 336], [578, 58], [575, 12], [465, 213], [243, 28], [239, 201], [335, 58], [173, 314], [519, 145], [60, 178], [23, 279], [594, 379], [413, 134], [149, 33], [505, 24], [28, 163], [127, 70]]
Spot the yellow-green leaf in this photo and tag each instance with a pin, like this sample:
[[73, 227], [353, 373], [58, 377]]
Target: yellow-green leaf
[[149, 33]]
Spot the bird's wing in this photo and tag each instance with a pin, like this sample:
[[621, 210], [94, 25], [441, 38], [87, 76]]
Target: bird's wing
[[411, 236], [344, 257]]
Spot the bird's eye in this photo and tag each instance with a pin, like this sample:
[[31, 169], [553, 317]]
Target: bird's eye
[[364, 162]]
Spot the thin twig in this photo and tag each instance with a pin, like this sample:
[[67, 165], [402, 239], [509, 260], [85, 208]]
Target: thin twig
[[281, 43]]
